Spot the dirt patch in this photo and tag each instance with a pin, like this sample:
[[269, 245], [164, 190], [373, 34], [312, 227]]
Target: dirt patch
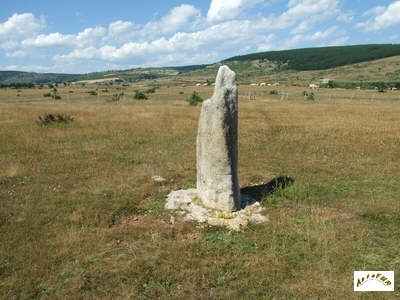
[[141, 221], [187, 237], [179, 231], [331, 214]]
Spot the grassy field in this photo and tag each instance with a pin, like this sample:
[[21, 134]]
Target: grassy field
[[81, 217]]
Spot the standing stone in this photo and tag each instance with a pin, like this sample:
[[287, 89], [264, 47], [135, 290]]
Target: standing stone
[[217, 146]]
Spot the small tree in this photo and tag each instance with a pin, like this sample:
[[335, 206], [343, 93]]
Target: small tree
[[194, 99], [311, 96], [331, 84], [139, 96]]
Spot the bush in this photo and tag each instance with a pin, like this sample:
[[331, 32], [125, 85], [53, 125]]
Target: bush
[[54, 118], [194, 99], [116, 97], [151, 91], [311, 96], [93, 93], [274, 92], [56, 97], [139, 96], [47, 95], [305, 94]]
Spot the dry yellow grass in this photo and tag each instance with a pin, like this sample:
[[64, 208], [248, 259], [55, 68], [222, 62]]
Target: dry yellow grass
[[81, 218]]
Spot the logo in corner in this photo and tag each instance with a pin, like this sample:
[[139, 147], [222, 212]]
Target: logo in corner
[[368, 281]]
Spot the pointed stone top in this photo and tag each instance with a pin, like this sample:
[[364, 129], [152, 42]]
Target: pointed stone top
[[225, 78]]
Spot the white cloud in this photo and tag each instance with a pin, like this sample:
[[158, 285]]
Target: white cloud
[[178, 17], [184, 17], [385, 17], [21, 25], [219, 36], [301, 28], [8, 45], [31, 68], [317, 36], [221, 10], [266, 44], [89, 36], [310, 11], [17, 53], [50, 40], [346, 17], [374, 11], [120, 27]]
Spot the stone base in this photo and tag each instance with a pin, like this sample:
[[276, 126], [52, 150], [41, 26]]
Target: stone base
[[191, 208]]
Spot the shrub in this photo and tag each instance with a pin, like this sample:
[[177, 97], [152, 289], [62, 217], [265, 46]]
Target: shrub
[[105, 91], [47, 95], [181, 93], [194, 99], [93, 93], [151, 91], [139, 96], [116, 97], [274, 92], [48, 119], [56, 97], [305, 94], [311, 96]]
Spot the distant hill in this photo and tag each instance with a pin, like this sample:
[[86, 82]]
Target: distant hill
[[272, 65], [9, 77], [324, 57], [131, 75]]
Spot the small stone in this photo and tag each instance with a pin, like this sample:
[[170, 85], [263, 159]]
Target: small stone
[[158, 178], [235, 224]]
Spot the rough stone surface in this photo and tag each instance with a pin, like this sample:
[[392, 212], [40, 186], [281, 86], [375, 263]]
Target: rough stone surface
[[217, 199], [190, 208], [217, 146]]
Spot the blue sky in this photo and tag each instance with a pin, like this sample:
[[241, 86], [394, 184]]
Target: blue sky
[[86, 36]]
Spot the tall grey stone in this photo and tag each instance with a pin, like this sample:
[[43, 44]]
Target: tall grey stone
[[217, 146]]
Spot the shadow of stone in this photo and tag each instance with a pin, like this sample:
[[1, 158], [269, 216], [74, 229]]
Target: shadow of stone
[[251, 194]]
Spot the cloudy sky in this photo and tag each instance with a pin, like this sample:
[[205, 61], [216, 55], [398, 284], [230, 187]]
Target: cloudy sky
[[86, 36]]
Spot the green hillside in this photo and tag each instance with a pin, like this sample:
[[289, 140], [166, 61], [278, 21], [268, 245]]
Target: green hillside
[[131, 75], [10, 77], [324, 57]]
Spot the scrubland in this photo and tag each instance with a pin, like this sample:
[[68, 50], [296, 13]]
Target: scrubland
[[81, 217]]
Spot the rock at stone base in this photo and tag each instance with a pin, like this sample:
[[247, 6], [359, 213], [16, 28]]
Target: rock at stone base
[[190, 208]]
